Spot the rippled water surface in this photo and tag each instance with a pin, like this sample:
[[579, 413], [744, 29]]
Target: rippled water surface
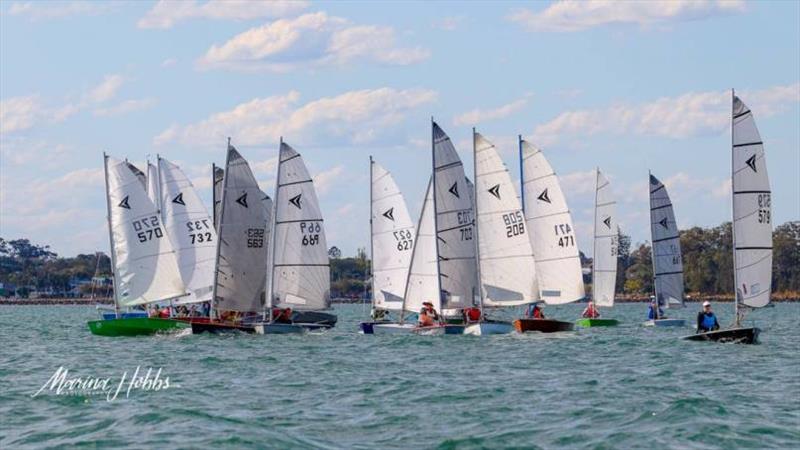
[[623, 387]]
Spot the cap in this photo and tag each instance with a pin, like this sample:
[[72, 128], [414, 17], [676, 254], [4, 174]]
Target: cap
[[706, 303]]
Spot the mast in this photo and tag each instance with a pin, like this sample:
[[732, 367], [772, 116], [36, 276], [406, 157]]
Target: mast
[[271, 260], [733, 224], [214, 194], [111, 237], [521, 174], [212, 311], [436, 221], [371, 236], [652, 246], [594, 238], [475, 223], [158, 188]]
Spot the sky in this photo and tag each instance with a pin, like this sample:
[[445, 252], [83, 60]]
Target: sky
[[624, 86]]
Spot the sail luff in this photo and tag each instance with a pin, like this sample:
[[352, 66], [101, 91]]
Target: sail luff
[[112, 251], [476, 226]]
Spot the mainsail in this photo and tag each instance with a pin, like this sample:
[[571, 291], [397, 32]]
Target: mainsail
[[454, 218], [752, 211], [507, 273], [217, 175], [551, 231], [300, 270], [666, 247], [392, 234], [241, 258], [604, 270], [190, 230], [152, 185], [423, 274], [145, 268]]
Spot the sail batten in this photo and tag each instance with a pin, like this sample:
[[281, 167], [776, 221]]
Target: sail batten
[[551, 230], [665, 247], [752, 210]]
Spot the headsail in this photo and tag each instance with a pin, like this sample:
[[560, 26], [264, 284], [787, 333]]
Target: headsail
[[301, 270], [454, 225], [604, 270], [217, 175], [392, 240], [752, 211], [242, 244], [666, 247], [145, 268], [190, 230], [551, 231], [507, 272], [423, 274]]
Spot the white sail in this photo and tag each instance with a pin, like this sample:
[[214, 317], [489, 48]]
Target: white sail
[[152, 185], [423, 274], [217, 175], [191, 231], [145, 268], [301, 269], [752, 211], [141, 176], [604, 270], [392, 240], [666, 247], [551, 230], [507, 268], [242, 244], [454, 225]]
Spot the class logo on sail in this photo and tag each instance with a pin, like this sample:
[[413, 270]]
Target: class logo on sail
[[179, 199], [663, 223], [389, 214], [607, 221], [454, 189], [544, 196], [296, 201], [242, 200], [495, 190], [751, 161], [124, 203]]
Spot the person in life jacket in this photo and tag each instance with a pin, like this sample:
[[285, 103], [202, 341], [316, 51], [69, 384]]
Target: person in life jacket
[[651, 312], [471, 315], [535, 312], [590, 312], [706, 319], [282, 315], [427, 315]]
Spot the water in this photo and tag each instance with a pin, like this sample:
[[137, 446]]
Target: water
[[624, 387]]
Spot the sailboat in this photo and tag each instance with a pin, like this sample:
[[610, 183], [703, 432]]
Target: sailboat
[[240, 262], [552, 238], [752, 226], [505, 263], [666, 255], [604, 257], [391, 245], [299, 265], [144, 266]]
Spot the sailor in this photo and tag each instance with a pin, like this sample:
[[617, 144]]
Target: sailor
[[534, 312], [428, 315], [651, 313], [706, 319], [471, 315], [590, 312]]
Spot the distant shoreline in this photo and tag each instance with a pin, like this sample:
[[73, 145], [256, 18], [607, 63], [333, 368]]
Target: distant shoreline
[[108, 301]]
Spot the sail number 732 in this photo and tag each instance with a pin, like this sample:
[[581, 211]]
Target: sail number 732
[[196, 232], [148, 228], [310, 232]]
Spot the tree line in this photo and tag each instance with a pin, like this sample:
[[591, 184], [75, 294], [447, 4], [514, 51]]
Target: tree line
[[707, 265]]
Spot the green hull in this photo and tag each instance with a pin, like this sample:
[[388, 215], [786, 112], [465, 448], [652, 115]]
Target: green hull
[[138, 326], [586, 323]]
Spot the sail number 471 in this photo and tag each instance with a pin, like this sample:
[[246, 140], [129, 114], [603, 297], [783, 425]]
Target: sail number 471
[[564, 234]]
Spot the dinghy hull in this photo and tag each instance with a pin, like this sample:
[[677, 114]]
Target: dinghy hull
[[279, 328], [452, 328], [315, 319], [730, 335], [488, 328], [221, 327], [134, 326], [665, 323], [434, 330], [392, 328], [587, 323], [542, 325]]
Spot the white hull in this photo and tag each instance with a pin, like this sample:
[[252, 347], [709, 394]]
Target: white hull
[[488, 328], [665, 323], [393, 328]]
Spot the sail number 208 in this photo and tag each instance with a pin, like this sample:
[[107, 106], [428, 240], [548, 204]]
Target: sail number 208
[[515, 224]]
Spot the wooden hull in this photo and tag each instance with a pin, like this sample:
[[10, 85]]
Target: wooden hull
[[665, 323], [488, 328], [587, 323], [729, 335], [542, 325], [134, 326]]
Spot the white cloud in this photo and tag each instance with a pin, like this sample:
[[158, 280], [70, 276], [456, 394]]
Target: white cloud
[[346, 209], [577, 15], [20, 113], [166, 14], [311, 40], [355, 117], [169, 62], [450, 23], [476, 116], [323, 181], [692, 114], [55, 10], [106, 90], [126, 107]]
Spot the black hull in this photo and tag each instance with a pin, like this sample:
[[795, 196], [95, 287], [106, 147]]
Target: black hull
[[730, 335], [220, 328], [542, 325], [315, 319]]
